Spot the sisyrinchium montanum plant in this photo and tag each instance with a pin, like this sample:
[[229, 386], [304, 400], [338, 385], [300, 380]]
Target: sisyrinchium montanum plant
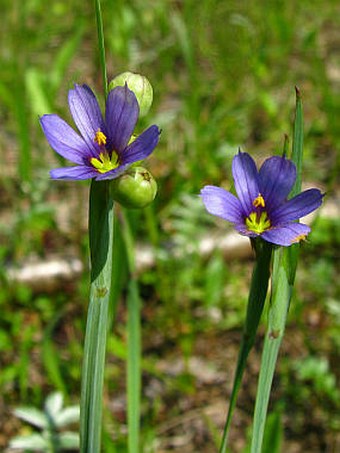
[[266, 208], [106, 150]]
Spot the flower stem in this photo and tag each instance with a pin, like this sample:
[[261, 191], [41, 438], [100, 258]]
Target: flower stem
[[133, 366], [101, 230], [284, 270], [101, 44], [257, 297], [280, 299]]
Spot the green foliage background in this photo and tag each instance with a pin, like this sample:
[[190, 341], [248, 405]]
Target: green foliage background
[[223, 74]]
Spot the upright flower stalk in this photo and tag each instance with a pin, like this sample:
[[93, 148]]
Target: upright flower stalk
[[263, 211], [105, 150], [284, 270], [101, 230]]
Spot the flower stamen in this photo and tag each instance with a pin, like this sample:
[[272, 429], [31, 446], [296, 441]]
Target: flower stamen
[[258, 223], [259, 201], [100, 138], [105, 163]]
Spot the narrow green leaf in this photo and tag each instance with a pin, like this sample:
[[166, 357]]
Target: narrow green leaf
[[64, 57], [273, 434], [36, 92], [134, 366], [50, 357], [119, 271], [101, 44], [297, 150], [134, 343], [257, 297], [281, 295], [22, 118], [101, 229]]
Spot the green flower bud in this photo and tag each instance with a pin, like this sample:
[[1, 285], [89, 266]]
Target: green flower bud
[[139, 85], [134, 189]]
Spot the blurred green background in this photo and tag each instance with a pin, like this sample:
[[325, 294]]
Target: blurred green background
[[223, 74]]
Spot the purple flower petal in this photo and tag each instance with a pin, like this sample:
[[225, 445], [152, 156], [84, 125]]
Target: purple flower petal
[[246, 180], [63, 139], [86, 114], [297, 207], [276, 177], [142, 147], [73, 173], [122, 112], [222, 203], [287, 234], [244, 231]]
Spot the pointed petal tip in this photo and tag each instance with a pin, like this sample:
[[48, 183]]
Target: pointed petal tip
[[246, 180], [287, 235], [142, 147], [297, 207]]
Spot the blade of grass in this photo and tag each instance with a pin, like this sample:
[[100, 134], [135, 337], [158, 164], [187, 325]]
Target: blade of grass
[[134, 343], [101, 44], [134, 365], [20, 109], [297, 150], [273, 435], [257, 297], [284, 270]]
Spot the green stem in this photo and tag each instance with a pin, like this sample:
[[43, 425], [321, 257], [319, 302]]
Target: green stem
[[257, 297], [101, 44], [133, 366], [101, 230], [134, 343], [280, 299]]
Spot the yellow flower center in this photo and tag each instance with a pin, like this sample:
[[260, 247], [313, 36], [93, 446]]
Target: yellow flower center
[[100, 138], [104, 163], [258, 223], [259, 201]]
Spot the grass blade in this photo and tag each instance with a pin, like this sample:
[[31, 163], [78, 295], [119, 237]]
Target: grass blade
[[134, 366], [134, 343], [101, 44]]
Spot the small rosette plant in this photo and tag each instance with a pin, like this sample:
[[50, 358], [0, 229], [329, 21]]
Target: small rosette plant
[[262, 207], [105, 147]]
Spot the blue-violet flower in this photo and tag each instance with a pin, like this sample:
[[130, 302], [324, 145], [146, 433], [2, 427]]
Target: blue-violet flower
[[105, 148], [262, 208]]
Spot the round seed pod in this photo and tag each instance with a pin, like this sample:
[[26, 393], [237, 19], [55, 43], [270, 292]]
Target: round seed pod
[[135, 189]]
